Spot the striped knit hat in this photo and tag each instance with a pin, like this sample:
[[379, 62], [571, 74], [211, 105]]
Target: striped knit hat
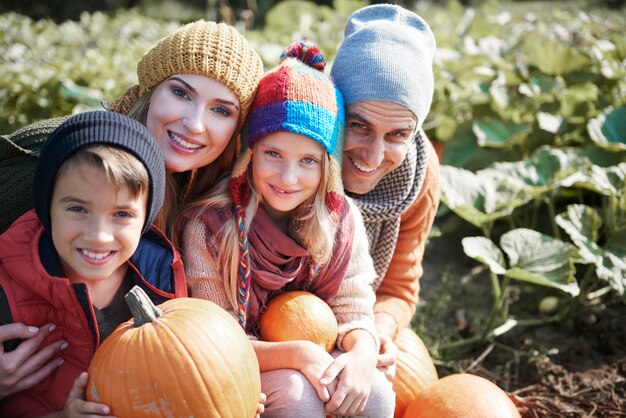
[[214, 50], [294, 97]]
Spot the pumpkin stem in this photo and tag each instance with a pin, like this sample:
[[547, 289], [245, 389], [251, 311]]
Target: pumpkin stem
[[142, 308]]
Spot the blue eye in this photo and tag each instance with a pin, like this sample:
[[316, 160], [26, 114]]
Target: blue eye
[[309, 160], [177, 91], [272, 154], [222, 111], [78, 209]]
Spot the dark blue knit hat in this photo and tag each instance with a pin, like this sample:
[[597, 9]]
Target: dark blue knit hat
[[98, 128]]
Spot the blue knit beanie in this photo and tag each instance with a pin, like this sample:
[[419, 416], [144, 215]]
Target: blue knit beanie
[[387, 54], [98, 128]]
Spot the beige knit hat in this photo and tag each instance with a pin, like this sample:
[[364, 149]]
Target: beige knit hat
[[215, 50]]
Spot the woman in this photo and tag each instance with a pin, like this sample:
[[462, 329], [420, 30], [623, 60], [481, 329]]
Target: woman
[[195, 88]]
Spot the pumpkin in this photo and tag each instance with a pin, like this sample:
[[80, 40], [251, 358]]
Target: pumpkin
[[462, 395], [415, 369], [299, 315], [186, 357]]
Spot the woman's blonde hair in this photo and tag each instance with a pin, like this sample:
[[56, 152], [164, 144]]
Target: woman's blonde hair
[[311, 224], [182, 189]]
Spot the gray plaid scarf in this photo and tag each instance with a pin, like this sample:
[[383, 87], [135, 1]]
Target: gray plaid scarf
[[382, 207]]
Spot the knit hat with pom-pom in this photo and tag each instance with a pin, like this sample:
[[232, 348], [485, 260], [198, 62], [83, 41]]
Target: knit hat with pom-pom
[[295, 97]]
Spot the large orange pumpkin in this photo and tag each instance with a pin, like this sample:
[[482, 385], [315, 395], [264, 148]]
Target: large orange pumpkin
[[299, 315], [186, 357], [462, 395], [415, 369]]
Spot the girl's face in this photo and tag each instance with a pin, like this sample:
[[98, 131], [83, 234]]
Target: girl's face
[[96, 226], [193, 118], [286, 171]]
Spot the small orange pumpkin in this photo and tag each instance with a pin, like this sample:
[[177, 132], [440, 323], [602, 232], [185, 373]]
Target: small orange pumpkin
[[462, 395], [186, 357], [299, 315], [415, 369]]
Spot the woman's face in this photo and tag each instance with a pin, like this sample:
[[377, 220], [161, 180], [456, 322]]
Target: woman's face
[[193, 118]]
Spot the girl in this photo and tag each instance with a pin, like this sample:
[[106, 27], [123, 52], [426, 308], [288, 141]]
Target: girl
[[281, 223], [195, 89]]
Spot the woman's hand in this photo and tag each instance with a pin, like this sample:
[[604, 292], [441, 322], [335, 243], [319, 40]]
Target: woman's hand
[[313, 362], [25, 367]]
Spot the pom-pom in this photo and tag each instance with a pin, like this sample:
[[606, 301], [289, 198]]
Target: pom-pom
[[307, 52]]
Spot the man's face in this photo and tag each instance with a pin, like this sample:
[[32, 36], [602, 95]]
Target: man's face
[[377, 139]]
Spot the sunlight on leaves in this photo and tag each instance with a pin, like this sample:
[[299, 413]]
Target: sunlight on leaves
[[540, 259], [485, 251], [479, 198], [582, 224], [608, 130], [498, 134]]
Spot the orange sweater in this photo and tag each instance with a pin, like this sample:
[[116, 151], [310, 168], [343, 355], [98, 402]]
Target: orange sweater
[[399, 291]]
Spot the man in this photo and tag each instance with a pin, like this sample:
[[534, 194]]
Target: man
[[384, 70]]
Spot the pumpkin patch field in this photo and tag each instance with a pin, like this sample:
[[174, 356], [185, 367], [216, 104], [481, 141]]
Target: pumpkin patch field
[[524, 279]]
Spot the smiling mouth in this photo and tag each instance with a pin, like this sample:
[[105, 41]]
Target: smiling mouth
[[362, 168], [182, 143], [283, 192], [95, 256]]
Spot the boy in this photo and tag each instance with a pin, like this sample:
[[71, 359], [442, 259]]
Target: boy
[[98, 185]]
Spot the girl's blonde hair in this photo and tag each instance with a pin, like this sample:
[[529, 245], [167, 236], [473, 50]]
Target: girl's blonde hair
[[182, 189], [311, 225]]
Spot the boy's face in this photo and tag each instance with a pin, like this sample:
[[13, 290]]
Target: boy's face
[[96, 227]]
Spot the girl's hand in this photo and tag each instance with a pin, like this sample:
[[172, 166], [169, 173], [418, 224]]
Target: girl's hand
[[353, 372], [313, 362], [261, 408], [26, 366], [76, 406], [387, 357]]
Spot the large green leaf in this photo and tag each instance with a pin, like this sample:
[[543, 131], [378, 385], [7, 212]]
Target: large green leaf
[[582, 224], [498, 134], [547, 169], [484, 250], [554, 58], [608, 130], [540, 259], [480, 199], [607, 181]]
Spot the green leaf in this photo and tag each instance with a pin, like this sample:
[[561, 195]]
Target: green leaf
[[582, 224], [554, 58], [540, 259], [480, 199], [497, 134], [485, 251], [607, 181], [608, 130]]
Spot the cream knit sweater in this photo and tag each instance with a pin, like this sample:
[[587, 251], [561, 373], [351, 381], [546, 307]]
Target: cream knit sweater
[[353, 304]]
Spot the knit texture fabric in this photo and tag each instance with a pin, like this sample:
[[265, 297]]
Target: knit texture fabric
[[294, 97], [382, 207], [387, 54], [18, 158], [214, 50], [98, 128]]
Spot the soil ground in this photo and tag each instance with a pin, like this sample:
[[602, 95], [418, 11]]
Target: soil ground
[[574, 368]]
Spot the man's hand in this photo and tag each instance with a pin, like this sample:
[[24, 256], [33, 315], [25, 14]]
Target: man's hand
[[387, 357], [25, 367]]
